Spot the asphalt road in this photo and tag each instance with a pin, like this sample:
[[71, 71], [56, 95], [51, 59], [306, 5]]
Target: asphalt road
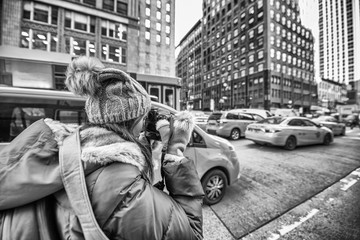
[[311, 192]]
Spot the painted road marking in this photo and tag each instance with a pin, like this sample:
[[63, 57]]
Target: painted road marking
[[285, 229], [348, 184]]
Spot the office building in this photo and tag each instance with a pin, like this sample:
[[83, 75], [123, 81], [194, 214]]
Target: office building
[[339, 24], [39, 38], [256, 53], [188, 68]]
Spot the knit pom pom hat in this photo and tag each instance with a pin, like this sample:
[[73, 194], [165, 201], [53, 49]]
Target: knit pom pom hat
[[112, 95]]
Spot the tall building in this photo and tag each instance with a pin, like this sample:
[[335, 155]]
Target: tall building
[[256, 53], [188, 68], [39, 38], [339, 24]]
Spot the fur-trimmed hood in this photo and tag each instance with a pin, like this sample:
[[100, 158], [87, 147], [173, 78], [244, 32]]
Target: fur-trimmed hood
[[100, 146]]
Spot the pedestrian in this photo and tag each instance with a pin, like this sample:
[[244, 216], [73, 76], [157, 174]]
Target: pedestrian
[[355, 121], [118, 165]]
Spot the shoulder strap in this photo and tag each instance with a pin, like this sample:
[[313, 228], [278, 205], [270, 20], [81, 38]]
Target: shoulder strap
[[73, 177]]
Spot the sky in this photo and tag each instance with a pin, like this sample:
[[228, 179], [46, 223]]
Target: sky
[[187, 13]]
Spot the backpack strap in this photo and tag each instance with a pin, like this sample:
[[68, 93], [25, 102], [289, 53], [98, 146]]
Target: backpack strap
[[73, 177]]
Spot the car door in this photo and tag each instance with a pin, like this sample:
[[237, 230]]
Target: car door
[[296, 128], [244, 120], [312, 132]]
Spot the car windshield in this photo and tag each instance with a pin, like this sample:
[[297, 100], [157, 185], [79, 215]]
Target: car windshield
[[272, 120], [215, 116]]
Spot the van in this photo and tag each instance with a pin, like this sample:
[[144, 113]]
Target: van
[[231, 124], [215, 158]]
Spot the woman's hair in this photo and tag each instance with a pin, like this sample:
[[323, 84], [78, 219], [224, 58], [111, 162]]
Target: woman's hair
[[123, 130]]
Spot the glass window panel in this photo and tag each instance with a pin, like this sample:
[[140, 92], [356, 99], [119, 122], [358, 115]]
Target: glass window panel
[[90, 2], [27, 10], [68, 19], [122, 8], [91, 49], [25, 38], [104, 52], [39, 40], [80, 22], [53, 43], [104, 28], [41, 13], [114, 54], [79, 47], [92, 24], [108, 5], [54, 15]]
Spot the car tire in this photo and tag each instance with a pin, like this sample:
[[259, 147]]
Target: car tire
[[235, 134], [214, 184], [290, 143], [327, 139]]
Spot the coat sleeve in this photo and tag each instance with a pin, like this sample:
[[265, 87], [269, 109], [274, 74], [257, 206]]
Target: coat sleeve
[[29, 168], [184, 186]]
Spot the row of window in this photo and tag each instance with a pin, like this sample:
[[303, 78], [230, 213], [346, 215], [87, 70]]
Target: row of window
[[291, 36], [46, 41], [73, 20], [290, 60], [277, 67]]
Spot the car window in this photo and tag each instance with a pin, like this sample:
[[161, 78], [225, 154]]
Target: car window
[[197, 138], [308, 123], [257, 117], [295, 122], [244, 116], [215, 116], [272, 120], [232, 116]]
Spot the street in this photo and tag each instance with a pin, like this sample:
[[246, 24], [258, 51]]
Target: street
[[311, 192]]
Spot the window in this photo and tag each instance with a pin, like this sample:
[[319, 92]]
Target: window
[[167, 29], [251, 58], [158, 15], [113, 54], [40, 13], [147, 35], [147, 12], [158, 26], [167, 18], [121, 8], [36, 39], [167, 41], [260, 54], [108, 5], [260, 29], [168, 7], [79, 22], [158, 38], [113, 30], [158, 4], [147, 23]]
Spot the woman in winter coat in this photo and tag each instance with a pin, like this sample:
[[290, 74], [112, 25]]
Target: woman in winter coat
[[118, 166]]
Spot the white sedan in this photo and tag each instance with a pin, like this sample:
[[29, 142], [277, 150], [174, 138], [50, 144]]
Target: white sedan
[[288, 132], [331, 123]]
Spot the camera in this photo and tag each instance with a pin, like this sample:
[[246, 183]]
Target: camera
[[153, 116]]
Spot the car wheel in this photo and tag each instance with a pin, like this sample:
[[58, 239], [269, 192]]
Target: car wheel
[[214, 184], [235, 134], [327, 139], [290, 143]]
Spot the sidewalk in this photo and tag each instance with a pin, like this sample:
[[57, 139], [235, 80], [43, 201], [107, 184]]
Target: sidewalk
[[213, 228]]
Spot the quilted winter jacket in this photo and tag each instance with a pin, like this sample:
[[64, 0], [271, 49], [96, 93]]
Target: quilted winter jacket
[[125, 205]]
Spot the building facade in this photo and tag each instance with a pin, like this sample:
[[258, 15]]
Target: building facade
[[257, 54], [39, 38], [339, 25], [188, 68]]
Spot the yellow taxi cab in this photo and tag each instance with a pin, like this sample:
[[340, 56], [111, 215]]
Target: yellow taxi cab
[[288, 132], [215, 158]]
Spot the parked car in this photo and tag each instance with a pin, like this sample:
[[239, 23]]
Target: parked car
[[201, 118], [230, 124], [288, 132], [262, 112], [215, 158], [331, 123]]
